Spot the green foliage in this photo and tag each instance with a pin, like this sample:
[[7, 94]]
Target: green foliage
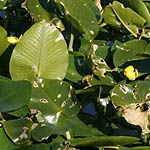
[[69, 55], [34, 56]]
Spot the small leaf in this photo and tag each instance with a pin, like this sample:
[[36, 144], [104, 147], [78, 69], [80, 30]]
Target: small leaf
[[22, 133]]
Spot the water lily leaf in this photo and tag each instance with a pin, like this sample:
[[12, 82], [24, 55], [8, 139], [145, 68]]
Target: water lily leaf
[[41, 52], [128, 51], [22, 132], [139, 7], [75, 12], [123, 95], [51, 99], [134, 102], [103, 141], [111, 19], [131, 24], [133, 52], [39, 10], [10, 98], [130, 20]]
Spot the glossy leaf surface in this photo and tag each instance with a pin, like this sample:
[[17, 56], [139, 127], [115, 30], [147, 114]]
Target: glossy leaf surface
[[35, 54], [75, 12], [139, 7], [22, 133], [123, 18], [10, 98], [51, 100]]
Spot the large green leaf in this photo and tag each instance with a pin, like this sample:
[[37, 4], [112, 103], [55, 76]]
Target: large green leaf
[[41, 52], [123, 18], [103, 141], [128, 51], [14, 94], [139, 7], [80, 16], [133, 53], [123, 95], [51, 100]]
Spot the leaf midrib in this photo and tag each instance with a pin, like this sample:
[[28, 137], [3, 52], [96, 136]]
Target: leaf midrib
[[41, 52]]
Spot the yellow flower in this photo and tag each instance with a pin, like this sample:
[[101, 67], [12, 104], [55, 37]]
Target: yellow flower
[[131, 73], [13, 40]]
